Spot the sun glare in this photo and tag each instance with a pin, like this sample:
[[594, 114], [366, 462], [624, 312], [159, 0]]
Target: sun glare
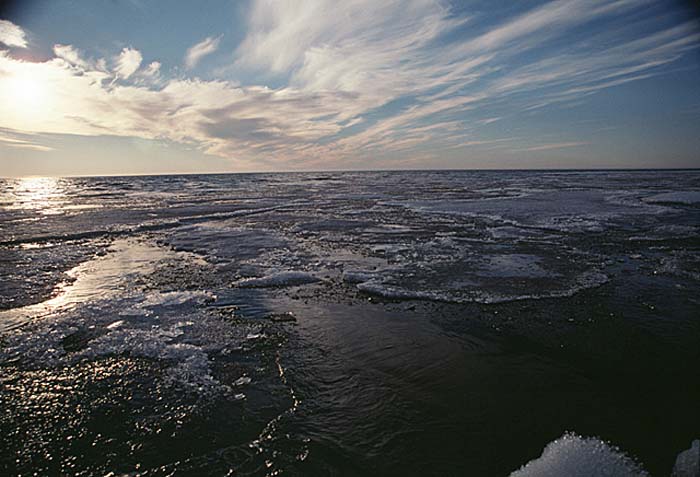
[[29, 94], [27, 99], [43, 194]]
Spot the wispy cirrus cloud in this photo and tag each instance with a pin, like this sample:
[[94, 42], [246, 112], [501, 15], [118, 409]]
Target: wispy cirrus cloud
[[198, 51], [21, 141], [557, 145]]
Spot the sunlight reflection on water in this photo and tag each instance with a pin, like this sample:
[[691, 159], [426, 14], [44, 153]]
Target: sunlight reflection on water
[[39, 193], [92, 280], [44, 195]]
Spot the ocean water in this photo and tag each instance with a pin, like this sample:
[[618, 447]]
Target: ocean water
[[370, 323]]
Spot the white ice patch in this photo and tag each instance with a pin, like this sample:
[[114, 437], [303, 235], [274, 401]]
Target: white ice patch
[[688, 197], [576, 456], [688, 462], [95, 280], [113, 318], [190, 362], [378, 287], [177, 298], [389, 229], [279, 279], [115, 325]]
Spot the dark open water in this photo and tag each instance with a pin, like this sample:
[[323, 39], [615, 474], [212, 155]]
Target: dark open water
[[446, 323]]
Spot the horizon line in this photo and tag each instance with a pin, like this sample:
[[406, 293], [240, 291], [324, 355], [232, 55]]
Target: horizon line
[[335, 171]]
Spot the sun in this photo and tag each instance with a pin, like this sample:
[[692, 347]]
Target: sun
[[28, 93], [26, 96]]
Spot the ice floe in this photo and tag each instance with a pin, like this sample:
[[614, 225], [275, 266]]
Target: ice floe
[[279, 279], [575, 456], [688, 197], [688, 462]]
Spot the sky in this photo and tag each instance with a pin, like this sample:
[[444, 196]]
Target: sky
[[147, 87]]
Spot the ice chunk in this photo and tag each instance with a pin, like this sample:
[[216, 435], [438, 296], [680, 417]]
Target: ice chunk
[[280, 279], [679, 197], [575, 456], [688, 462], [176, 298], [397, 287], [115, 325], [242, 381]]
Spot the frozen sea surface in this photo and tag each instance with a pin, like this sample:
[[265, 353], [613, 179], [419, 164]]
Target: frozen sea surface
[[375, 323]]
